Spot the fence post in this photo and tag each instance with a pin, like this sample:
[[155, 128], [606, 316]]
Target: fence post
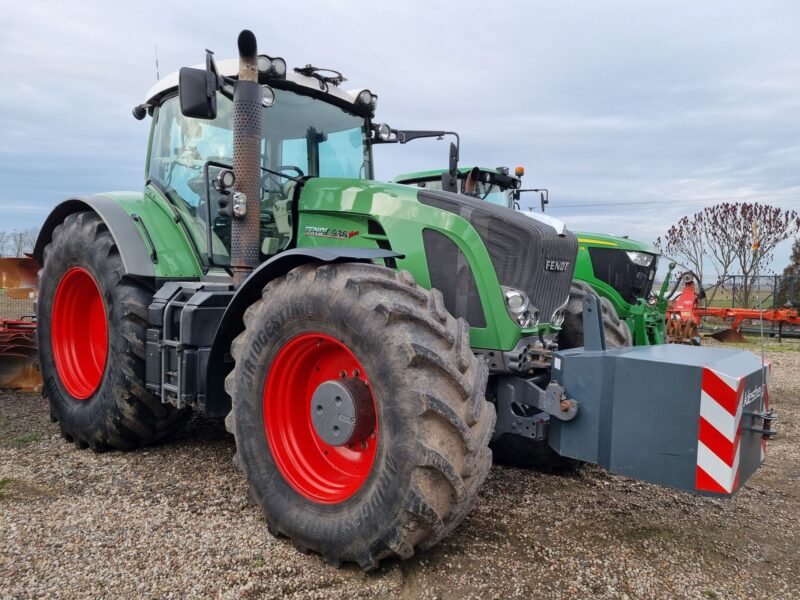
[[774, 290]]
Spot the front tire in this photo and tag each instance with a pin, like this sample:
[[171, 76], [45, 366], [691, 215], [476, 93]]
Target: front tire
[[617, 332], [411, 476], [91, 326]]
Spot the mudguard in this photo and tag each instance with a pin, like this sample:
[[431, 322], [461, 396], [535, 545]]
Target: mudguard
[[136, 258], [231, 325], [150, 241]]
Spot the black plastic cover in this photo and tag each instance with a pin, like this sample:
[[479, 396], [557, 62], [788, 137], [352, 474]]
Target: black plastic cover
[[451, 274]]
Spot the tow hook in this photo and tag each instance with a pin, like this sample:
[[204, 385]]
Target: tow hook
[[767, 417], [551, 400]]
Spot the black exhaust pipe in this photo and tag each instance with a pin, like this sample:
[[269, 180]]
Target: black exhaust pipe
[[245, 229]]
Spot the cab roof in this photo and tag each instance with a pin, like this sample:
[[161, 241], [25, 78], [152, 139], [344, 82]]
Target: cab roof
[[230, 68]]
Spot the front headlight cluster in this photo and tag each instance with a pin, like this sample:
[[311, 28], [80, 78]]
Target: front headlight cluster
[[519, 307], [641, 259]]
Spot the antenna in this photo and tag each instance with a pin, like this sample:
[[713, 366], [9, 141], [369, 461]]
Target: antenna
[[157, 75]]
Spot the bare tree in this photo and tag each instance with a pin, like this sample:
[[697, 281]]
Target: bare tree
[[29, 238], [5, 238], [23, 241], [789, 290], [722, 249], [723, 236], [685, 242], [769, 225]]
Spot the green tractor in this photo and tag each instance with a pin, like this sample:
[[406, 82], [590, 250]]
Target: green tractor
[[365, 340], [620, 270]]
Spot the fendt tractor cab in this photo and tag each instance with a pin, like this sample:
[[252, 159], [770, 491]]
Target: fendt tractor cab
[[263, 274], [619, 270]]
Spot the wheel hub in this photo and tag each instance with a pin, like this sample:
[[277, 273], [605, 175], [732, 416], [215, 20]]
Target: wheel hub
[[301, 414], [342, 412]]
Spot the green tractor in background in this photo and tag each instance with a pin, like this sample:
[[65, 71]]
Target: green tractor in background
[[365, 340], [620, 270]]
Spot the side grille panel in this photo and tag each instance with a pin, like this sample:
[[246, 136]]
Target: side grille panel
[[451, 274]]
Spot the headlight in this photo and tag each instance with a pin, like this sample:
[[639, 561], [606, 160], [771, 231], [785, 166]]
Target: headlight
[[271, 67], [515, 300], [519, 307], [367, 98], [642, 259], [384, 131], [267, 96], [225, 180]]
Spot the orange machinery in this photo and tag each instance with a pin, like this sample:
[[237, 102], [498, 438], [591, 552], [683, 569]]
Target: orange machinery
[[18, 364], [686, 311]]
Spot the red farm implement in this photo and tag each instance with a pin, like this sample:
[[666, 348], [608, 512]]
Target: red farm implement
[[18, 361], [685, 313]]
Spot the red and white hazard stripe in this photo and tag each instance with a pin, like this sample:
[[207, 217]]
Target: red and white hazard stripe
[[720, 432]]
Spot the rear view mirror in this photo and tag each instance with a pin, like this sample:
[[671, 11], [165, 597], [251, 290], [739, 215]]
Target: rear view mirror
[[197, 89]]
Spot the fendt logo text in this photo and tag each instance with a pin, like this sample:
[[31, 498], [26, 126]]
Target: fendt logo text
[[556, 265]]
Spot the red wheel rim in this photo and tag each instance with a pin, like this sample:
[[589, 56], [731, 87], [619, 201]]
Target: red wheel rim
[[316, 470], [79, 333]]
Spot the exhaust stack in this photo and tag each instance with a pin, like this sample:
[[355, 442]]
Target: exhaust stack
[[245, 229]]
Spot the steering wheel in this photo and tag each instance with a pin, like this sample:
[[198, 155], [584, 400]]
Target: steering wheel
[[267, 177]]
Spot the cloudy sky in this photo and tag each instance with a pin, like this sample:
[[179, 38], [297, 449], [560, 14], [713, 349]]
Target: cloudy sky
[[631, 113]]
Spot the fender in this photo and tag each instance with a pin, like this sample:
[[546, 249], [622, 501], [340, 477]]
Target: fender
[[231, 324], [151, 242], [136, 258]]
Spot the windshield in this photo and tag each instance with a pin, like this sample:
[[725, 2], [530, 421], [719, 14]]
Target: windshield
[[493, 193], [302, 137], [485, 191]]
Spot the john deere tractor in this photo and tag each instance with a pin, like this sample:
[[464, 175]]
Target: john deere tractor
[[619, 270], [359, 336]]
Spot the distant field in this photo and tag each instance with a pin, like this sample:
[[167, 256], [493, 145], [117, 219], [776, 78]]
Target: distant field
[[723, 298]]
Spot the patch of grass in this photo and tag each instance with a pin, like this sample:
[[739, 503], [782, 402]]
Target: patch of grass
[[26, 439], [257, 562], [3, 485]]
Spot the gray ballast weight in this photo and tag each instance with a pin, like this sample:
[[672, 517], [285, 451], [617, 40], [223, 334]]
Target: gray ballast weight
[[707, 436]]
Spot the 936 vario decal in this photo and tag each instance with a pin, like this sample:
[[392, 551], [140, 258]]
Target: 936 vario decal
[[330, 232]]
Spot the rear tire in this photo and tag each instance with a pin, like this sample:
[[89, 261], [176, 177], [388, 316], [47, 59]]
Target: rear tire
[[517, 451], [91, 326], [429, 453]]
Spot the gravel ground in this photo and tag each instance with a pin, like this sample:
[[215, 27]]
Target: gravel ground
[[173, 522]]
